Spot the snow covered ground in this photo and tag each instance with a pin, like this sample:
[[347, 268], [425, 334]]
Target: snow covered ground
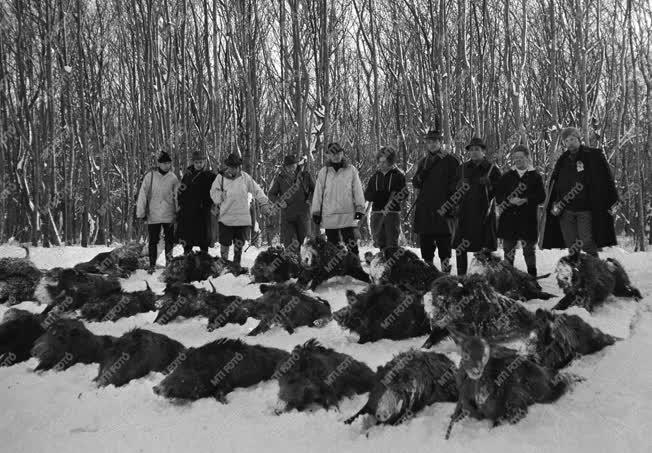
[[64, 412]]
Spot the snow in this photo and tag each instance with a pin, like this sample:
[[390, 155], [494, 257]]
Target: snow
[[64, 411]]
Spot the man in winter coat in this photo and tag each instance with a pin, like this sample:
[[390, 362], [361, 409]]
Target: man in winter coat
[[338, 202], [476, 222], [193, 221], [582, 199], [292, 190], [230, 192], [386, 191], [157, 205], [435, 182], [519, 193]]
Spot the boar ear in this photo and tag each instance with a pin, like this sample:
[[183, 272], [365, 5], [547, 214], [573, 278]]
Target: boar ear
[[351, 297], [264, 288], [457, 336]]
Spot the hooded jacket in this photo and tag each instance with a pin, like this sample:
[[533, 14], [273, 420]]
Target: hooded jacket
[[232, 197], [338, 196]]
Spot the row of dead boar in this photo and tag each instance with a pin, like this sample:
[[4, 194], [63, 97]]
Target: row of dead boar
[[407, 298]]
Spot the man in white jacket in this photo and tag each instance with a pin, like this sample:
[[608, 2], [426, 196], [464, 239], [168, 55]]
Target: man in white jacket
[[157, 205], [230, 193], [338, 202]]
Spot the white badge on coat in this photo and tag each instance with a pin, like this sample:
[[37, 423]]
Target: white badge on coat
[[580, 166]]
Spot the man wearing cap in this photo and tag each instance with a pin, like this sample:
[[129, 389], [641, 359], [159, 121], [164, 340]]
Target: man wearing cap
[[157, 205], [476, 222], [292, 190], [582, 199], [230, 192], [338, 202], [519, 193], [386, 192], [435, 183], [193, 221]]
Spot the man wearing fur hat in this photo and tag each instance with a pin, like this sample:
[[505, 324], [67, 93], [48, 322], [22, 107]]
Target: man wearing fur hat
[[292, 191], [519, 193], [230, 192], [582, 199], [435, 183], [193, 221], [157, 205]]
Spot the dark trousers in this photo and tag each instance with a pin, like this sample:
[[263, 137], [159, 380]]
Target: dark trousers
[[431, 242], [577, 230], [154, 233], [462, 262], [293, 230], [346, 235], [385, 229], [529, 253]]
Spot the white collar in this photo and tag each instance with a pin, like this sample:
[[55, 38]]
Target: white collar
[[522, 172]]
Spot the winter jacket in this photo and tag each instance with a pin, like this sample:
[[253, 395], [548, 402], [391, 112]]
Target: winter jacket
[[161, 191], [294, 191], [338, 196], [383, 188], [601, 190], [193, 220], [232, 197], [476, 222], [436, 179], [519, 222]]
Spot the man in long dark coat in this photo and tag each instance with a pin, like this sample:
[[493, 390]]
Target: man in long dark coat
[[193, 220], [582, 199], [476, 222], [519, 193], [435, 183]]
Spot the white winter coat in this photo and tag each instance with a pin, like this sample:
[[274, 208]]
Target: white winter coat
[[232, 197], [162, 193], [338, 196]]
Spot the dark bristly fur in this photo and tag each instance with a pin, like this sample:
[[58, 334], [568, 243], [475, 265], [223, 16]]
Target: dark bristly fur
[[216, 368], [400, 266], [558, 338], [119, 305], [75, 288], [318, 375], [407, 384], [384, 311], [18, 279], [471, 305], [274, 265], [507, 279], [18, 332], [197, 267], [120, 262]]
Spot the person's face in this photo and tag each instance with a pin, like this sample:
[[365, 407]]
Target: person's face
[[476, 152], [232, 172], [433, 146], [291, 168], [165, 166], [199, 163], [520, 160], [336, 157], [383, 163], [572, 142]]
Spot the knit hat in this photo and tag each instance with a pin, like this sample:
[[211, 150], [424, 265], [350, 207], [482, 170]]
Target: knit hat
[[233, 160], [164, 157], [198, 155], [521, 149], [571, 132], [476, 141], [334, 147]]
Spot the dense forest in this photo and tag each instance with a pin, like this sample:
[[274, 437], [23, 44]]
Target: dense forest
[[91, 91]]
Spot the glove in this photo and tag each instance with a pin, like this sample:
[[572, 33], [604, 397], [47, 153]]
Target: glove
[[484, 180], [316, 218], [358, 215]]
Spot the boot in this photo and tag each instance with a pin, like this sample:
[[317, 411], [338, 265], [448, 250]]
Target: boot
[[224, 251], [532, 271]]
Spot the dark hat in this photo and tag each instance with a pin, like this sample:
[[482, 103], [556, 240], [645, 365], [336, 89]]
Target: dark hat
[[198, 155], [164, 157], [233, 160], [334, 147], [521, 149], [290, 159], [433, 134], [476, 141]]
